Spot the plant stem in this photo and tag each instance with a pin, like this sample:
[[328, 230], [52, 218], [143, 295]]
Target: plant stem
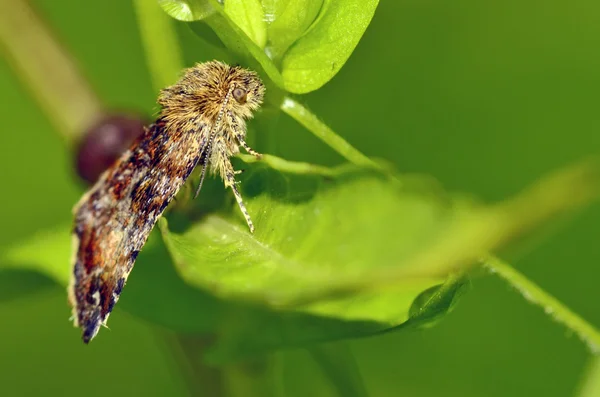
[[186, 352], [554, 308], [338, 363], [292, 167], [590, 385], [326, 134], [47, 69], [161, 45], [250, 378]]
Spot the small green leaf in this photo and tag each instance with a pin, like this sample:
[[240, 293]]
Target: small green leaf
[[183, 10], [434, 303], [315, 58], [248, 15], [288, 20]]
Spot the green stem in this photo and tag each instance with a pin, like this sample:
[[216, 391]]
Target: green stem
[[590, 385], [292, 167], [338, 363], [160, 42], [47, 69], [186, 353], [326, 134], [251, 378], [553, 307]]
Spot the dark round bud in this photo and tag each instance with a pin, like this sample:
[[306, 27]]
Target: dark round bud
[[104, 143]]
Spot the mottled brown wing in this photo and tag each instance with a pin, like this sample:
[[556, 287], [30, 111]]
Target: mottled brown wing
[[113, 220]]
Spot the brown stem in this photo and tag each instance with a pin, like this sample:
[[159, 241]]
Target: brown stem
[[47, 69]]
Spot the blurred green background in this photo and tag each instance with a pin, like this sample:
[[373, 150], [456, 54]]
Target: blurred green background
[[485, 96]]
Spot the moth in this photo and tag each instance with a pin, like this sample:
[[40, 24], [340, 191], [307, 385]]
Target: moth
[[202, 122]]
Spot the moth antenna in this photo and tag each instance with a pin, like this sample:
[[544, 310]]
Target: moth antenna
[[201, 180], [204, 166]]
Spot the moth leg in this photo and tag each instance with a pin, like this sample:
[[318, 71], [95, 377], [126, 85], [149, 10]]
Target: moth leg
[[228, 174], [230, 181], [246, 147], [239, 135]]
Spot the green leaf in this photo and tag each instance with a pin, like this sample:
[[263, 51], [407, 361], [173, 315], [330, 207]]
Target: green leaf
[[187, 11], [313, 59], [354, 246], [248, 15], [288, 20], [434, 303], [311, 232]]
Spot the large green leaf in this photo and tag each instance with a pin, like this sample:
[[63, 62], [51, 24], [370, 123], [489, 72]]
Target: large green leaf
[[310, 40], [356, 246], [312, 232]]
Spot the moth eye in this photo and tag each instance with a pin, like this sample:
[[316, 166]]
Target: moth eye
[[240, 95]]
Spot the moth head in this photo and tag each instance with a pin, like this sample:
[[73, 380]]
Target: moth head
[[247, 90], [205, 89]]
